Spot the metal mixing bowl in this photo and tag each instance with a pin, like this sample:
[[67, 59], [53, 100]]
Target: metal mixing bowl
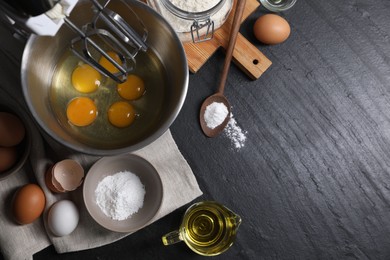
[[42, 54]]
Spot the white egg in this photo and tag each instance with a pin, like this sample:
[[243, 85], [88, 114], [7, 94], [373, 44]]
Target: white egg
[[63, 218]]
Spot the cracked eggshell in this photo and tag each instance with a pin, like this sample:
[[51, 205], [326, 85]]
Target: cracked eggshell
[[51, 183], [68, 174], [58, 187], [48, 178]]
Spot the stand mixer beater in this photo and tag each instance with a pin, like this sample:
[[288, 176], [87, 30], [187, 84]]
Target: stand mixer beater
[[107, 31]]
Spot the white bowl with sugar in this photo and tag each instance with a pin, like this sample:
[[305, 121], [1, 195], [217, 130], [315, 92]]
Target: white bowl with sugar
[[123, 193]]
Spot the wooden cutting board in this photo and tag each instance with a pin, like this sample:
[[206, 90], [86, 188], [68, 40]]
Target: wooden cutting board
[[246, 56]]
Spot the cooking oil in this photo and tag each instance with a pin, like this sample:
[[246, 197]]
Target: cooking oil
[[208, 228], [101, 133]]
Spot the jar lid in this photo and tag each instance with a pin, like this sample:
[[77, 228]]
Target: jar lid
[[194, 20], [191, 14]]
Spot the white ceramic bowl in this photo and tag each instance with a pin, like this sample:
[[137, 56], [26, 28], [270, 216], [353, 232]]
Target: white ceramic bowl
[[149, 177]]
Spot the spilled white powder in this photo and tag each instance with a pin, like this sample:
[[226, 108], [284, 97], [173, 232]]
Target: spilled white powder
[[235, 133], [120, 195], [215, 114]]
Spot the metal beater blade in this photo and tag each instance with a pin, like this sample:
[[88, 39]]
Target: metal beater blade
[[121, 28], [119, 37]]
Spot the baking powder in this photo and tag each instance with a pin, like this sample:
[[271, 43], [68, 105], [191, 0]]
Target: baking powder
[[215, 114], [235, 133], [120, 195]]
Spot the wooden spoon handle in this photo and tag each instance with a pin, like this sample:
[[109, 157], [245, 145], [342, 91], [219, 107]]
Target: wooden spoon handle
[[236, 23]]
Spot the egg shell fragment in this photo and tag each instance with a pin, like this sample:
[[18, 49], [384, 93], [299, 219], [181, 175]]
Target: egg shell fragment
[[67, 174], [12, 130], [63, 218], [54, 187], [271, 29], [28, 203]]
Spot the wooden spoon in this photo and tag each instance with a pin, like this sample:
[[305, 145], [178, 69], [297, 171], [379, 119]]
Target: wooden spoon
[[219, 97]]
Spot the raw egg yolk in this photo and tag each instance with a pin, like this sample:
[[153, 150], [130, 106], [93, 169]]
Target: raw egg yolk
[[132, 88], [86, 79], [121, 114], [108, 64], [81, 111]]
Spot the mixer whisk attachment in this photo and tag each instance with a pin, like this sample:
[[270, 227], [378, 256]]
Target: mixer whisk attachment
[[109, 32], [121, 28]]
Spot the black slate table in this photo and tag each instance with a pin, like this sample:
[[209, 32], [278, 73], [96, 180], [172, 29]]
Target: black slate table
[[313, 179]]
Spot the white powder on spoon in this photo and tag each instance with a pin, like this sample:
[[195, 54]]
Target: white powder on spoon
[[120, 195], [215, 114]]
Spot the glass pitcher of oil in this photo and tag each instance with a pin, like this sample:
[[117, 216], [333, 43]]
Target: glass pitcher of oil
[[208, 228]]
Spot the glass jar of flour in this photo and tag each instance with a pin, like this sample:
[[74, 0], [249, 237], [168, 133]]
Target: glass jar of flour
[[194, 20]]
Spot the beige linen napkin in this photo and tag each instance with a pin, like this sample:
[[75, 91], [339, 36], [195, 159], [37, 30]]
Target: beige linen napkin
[[179, 187], [21, 242]]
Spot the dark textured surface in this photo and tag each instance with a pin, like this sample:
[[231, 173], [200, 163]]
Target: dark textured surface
[[313, 179]]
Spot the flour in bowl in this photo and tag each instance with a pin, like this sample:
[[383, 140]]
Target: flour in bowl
[[120, 195]]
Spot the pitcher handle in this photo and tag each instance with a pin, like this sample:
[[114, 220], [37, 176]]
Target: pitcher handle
[[171, 238]]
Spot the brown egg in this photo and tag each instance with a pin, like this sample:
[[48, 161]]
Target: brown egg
[[271, 29], [12, 130], [8, 157], [28, 203]]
